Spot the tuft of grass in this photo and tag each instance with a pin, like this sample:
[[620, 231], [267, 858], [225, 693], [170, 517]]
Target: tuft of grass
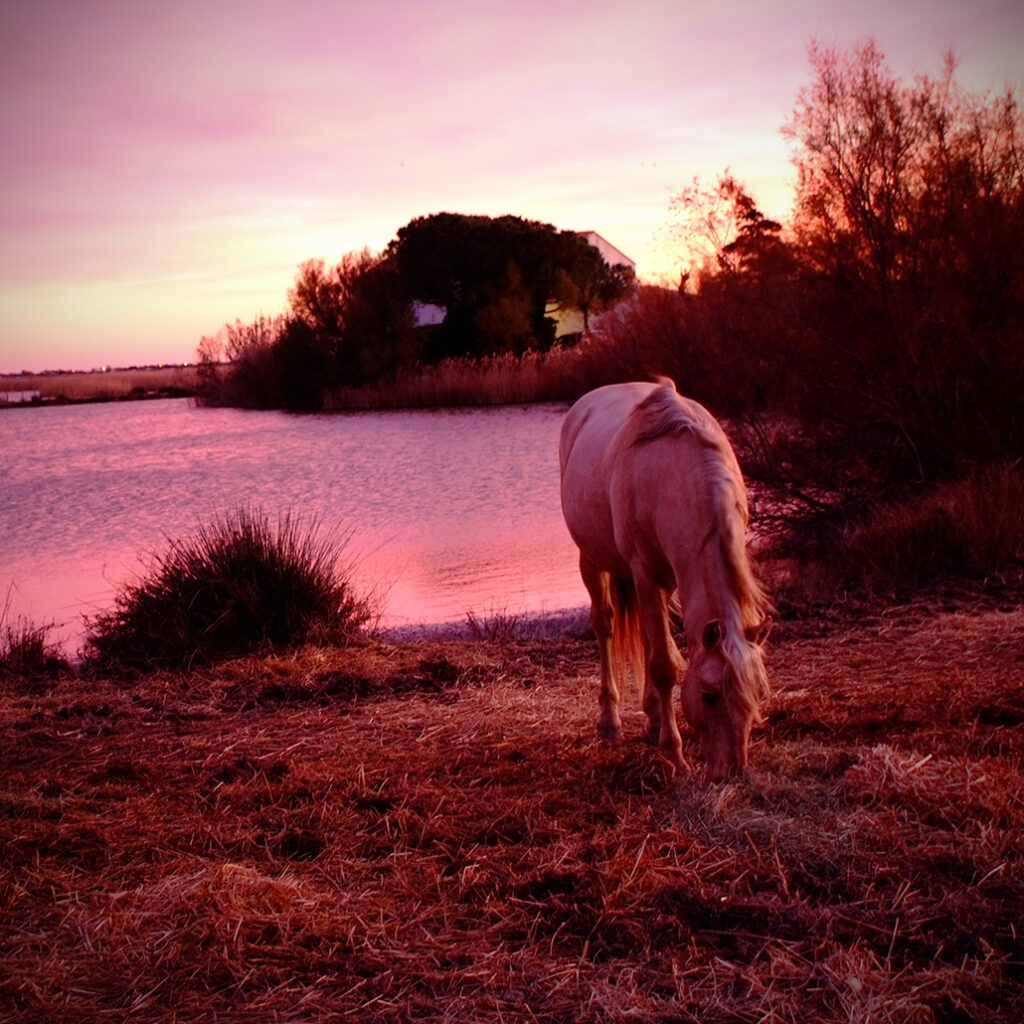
[[497, 625], [26, 651], [240, 585]]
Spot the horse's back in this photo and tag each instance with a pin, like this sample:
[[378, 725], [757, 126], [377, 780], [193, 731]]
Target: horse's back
[[587, 448], [640, 465], [611, 419], [595, 419]]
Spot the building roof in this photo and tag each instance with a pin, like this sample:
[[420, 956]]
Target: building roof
[[612, 256]]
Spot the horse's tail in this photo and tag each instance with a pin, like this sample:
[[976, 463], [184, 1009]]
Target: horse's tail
[[627, 645]]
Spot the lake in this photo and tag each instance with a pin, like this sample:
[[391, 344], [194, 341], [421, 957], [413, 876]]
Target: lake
[[448, 511]]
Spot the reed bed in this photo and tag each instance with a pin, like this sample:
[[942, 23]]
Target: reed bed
[[974, 525], [105, 385], [563, 374], [430, 832]]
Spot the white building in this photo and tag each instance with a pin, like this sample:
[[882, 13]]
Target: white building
[[612, 256]]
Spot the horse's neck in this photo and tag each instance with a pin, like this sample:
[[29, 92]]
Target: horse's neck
[[706, 601]]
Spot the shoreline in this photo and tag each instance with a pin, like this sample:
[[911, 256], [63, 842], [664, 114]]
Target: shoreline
[[87, 387], [62, 400], [565, 624]]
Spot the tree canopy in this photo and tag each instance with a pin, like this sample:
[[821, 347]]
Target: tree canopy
[[497, 279], [909, 215]]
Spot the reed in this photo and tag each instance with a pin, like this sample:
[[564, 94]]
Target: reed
[[974, 525], [562, 374], [239, 585]]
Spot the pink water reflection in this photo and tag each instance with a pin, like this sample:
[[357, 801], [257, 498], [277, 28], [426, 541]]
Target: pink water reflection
[[448, 511]]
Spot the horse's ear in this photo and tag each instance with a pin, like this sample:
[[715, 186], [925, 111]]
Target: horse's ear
[[712, 635], [759, 633]]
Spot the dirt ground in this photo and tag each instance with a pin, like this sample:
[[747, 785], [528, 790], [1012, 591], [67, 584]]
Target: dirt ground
[[432, 832]]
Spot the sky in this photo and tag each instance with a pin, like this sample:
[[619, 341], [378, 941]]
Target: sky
[[166, 167]]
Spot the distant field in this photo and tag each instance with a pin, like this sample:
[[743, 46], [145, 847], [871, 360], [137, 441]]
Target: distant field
[[111, 384]]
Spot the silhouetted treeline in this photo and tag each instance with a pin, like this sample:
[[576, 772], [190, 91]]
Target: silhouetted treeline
[[448, 286]]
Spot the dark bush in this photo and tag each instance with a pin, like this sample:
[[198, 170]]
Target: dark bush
[[908, 218], [970, 527], [250, 378], [238, 586]]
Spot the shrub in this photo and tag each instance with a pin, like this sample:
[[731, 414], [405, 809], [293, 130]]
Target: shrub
[[250, 379], [971, 526], [908, 217], [238, 586]]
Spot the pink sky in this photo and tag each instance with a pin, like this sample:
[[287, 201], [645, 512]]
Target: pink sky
[[166, 167]]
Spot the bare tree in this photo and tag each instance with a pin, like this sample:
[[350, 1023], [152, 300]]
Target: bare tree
[[909, 214]]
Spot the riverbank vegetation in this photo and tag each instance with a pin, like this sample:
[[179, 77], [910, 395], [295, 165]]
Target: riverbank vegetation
[[450, 288], [62, 388], [889, 306], [559, 375], [433, 832]]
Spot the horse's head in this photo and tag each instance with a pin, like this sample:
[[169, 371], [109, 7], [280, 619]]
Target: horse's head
[[721, 694]]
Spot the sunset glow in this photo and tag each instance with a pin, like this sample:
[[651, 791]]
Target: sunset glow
[[166, 168]]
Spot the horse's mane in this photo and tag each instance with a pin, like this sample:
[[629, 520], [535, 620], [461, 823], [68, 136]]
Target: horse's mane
[[664, 412]]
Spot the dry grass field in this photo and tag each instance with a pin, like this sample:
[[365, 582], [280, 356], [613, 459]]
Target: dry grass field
[[431, 832]]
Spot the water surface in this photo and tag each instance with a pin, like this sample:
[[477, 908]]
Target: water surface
[[450, 511]]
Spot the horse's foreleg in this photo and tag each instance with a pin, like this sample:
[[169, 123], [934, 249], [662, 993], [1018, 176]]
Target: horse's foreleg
[[598, 584], [664, 664]]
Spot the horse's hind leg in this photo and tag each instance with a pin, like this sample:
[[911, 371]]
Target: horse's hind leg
[[598, 584], [664, 664]]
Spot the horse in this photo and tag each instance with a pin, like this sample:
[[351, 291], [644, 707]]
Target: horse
[[654, 499]]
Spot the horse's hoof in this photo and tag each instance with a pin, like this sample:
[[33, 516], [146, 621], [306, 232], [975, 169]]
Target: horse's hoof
[[678, 761], [612, 733]]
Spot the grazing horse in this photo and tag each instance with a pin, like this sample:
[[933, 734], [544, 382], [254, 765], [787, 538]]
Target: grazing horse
[[655, 501]]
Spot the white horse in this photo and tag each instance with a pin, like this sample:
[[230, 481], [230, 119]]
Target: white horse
[[654, 499]]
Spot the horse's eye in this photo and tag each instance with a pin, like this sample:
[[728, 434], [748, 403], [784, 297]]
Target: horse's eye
[[710, 698]]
